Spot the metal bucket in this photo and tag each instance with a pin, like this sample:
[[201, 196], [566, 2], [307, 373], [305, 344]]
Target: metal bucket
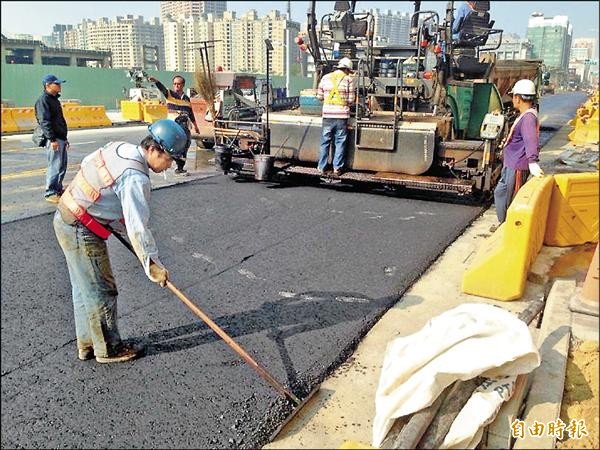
[[263, 167], [223, 157]]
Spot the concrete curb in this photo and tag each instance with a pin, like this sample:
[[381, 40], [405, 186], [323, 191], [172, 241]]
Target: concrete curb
[[546, 393]]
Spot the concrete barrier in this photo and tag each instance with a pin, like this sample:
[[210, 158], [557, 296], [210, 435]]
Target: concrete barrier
[[499, 269], [96, 116], [78, 116], [573, 213], [8, 122], [75, 117], [154, 112], [132, 110], [586, 122], [24, 118]]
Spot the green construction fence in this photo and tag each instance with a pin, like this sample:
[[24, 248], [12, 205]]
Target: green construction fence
[[22, 83]]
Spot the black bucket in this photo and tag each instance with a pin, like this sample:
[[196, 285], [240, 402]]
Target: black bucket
[[223, 157]]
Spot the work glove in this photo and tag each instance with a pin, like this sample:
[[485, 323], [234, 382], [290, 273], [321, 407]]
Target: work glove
[[536, 170], [158, 274]]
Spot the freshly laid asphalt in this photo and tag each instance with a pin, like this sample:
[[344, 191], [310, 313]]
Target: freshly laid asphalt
[[296, 275]]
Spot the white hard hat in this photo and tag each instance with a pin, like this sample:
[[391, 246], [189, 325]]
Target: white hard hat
[[524, 87], [345, 63]]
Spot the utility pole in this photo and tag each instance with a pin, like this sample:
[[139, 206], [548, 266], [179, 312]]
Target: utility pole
[[269, 47], [288, 55], [288, 51]]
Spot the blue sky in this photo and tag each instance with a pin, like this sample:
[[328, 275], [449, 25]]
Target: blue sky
[[39, 17]]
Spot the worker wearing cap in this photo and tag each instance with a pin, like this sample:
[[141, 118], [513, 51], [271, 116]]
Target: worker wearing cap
[[179, 109], [111, 191], [336, 91], [521, 152], [50, 118]]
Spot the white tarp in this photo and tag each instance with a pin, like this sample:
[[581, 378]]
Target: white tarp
[[480, 410], [462, 343]]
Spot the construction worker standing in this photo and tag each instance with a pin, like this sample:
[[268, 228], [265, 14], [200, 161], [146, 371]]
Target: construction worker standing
[[111, 190], [53, 126], [179, 109], [336, 91], [521, 152]]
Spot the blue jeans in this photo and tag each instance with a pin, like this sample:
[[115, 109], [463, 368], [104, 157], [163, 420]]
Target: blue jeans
[[336, 130], [506, 190], [57, 167], [93, 287]]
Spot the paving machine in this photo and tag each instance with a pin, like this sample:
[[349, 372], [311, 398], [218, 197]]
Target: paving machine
[[427, 116]]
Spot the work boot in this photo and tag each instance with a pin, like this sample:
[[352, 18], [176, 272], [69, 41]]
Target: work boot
[[125, 353], [85, 354], [53, 198], [181, 172]]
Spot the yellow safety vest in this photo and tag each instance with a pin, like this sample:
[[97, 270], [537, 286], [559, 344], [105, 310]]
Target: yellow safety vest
[[334, 97]]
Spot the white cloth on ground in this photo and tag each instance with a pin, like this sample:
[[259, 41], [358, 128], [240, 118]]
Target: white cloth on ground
[[480, 410], [462, 343]]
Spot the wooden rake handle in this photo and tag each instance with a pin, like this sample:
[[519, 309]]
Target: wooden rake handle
[[228, 340]]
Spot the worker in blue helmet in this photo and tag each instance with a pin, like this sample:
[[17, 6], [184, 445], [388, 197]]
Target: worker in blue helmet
[[111, 193]]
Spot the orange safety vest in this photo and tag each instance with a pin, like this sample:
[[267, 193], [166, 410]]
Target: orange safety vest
[[98, 173]]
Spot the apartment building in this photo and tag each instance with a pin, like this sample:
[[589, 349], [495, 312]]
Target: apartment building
[[240, 41], [181, 40], [177, 9], [124, 36], [58, 34]]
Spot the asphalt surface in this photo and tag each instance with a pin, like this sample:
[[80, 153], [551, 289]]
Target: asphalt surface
[[295, 274], [23, 167]]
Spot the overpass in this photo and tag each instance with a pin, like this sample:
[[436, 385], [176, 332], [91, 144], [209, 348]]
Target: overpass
[[20, 51]]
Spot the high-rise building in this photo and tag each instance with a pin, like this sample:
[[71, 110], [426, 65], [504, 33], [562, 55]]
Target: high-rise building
[[176, 9], [126, 37], [181, 40], [511, 47], [580, 45], [551, 40], [58, 33], [243, 45], [584, 59], [240, 41], [390, 28]]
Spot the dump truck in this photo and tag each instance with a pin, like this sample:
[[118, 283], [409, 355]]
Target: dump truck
[[430, 116]]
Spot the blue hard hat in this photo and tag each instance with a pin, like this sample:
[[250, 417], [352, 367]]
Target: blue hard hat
[[171, 137]]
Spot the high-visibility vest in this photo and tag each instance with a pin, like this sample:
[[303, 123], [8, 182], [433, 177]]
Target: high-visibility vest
[[97, 174], [334, 97]]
